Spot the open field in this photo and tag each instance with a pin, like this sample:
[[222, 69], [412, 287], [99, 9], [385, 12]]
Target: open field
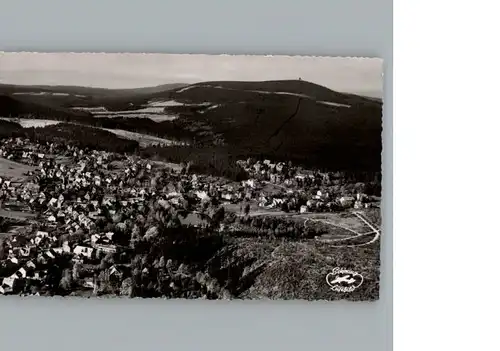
[[347, 221], [156, 114], [268, 118], [14, 170], [343, 220], [32, 123]]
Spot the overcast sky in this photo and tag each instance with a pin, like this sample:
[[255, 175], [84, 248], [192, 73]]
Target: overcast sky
[[352, 75]]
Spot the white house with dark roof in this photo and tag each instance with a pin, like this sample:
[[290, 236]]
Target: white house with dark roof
[[83, 251]]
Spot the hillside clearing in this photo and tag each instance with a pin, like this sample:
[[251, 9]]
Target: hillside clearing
[[16, 214], [143, 139]]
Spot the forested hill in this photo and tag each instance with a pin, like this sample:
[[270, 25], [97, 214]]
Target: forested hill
[[287, 119]]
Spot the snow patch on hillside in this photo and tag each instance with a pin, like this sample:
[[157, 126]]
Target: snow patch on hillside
[[32, 123]]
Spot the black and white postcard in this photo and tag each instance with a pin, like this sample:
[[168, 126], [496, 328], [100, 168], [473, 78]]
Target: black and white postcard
[[190, 176]]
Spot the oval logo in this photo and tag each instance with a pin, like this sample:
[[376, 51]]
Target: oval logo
[[344, 280]]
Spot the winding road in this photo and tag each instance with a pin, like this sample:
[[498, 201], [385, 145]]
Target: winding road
[[375, 230]]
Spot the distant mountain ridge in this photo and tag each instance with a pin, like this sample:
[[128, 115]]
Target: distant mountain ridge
[[282, 119]]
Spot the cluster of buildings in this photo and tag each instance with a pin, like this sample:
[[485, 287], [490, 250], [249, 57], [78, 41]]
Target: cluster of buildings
[[302, 190], [88, 202]]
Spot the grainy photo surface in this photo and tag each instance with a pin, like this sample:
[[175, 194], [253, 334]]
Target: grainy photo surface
[[190, 176]]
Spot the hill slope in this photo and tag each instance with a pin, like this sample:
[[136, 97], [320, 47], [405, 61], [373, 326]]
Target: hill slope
[[84, 91], [293, 120]]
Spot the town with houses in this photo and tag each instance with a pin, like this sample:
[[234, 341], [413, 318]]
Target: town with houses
[[247, 187], [78, 215]]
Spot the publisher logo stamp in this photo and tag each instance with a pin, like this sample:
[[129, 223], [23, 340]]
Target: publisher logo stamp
[[344, 280]]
